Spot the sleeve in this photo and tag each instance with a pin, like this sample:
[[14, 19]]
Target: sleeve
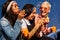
[[11, 32]]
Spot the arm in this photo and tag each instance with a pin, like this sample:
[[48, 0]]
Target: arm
[[28, 34], [7, 28], [33, 31], [36, 18]]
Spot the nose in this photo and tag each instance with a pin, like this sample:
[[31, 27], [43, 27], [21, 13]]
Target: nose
[[17, 7]]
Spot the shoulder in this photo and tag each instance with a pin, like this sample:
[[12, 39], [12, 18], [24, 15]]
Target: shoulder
[[23, 23], [4, 21]]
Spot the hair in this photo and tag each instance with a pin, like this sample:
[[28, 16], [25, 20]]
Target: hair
[[28, 9], [45, 2], [9, 0], [10, 16]]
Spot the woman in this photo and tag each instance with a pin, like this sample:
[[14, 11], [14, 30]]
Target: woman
[[10, 22], [27, 30], [44, 11], [43, 15]]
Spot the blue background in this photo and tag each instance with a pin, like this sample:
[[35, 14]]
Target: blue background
[[54, 14]]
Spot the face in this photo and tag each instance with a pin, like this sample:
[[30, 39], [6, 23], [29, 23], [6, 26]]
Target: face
[[32, 15], [15, 8], [44, 9], [22, 13]]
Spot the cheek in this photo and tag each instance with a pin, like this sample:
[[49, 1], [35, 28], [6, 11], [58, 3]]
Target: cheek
[[22, 15], [15, 10], [47, 10], [32, 16]]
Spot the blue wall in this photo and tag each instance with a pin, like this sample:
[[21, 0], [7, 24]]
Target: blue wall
[[54, 14]]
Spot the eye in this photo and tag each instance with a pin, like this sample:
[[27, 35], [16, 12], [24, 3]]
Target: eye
[[45, 8], [41, 7], [16, 5]]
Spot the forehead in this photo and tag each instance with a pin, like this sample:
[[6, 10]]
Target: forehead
[[44, 5]]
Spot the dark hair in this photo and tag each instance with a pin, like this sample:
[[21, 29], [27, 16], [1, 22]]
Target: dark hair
[[28, 9], [9, 0], [10, 16], [4, 7]]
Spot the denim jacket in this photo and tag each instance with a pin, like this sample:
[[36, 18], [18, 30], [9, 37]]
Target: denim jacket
[[12, 33]]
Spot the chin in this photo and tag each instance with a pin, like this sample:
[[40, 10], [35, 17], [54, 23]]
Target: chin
[[43, 14]]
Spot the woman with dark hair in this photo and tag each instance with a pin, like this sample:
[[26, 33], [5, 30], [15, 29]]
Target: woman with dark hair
[[27, 30], [10, 22]]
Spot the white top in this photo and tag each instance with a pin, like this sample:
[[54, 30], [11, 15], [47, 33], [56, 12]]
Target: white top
[[25, 22]]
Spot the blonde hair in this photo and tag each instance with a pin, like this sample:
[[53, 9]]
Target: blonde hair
[[45, 2]]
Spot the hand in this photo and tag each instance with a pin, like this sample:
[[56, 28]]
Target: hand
[[53, 28], [39, 22], [46, 20], [40, 34], [19, 16]]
